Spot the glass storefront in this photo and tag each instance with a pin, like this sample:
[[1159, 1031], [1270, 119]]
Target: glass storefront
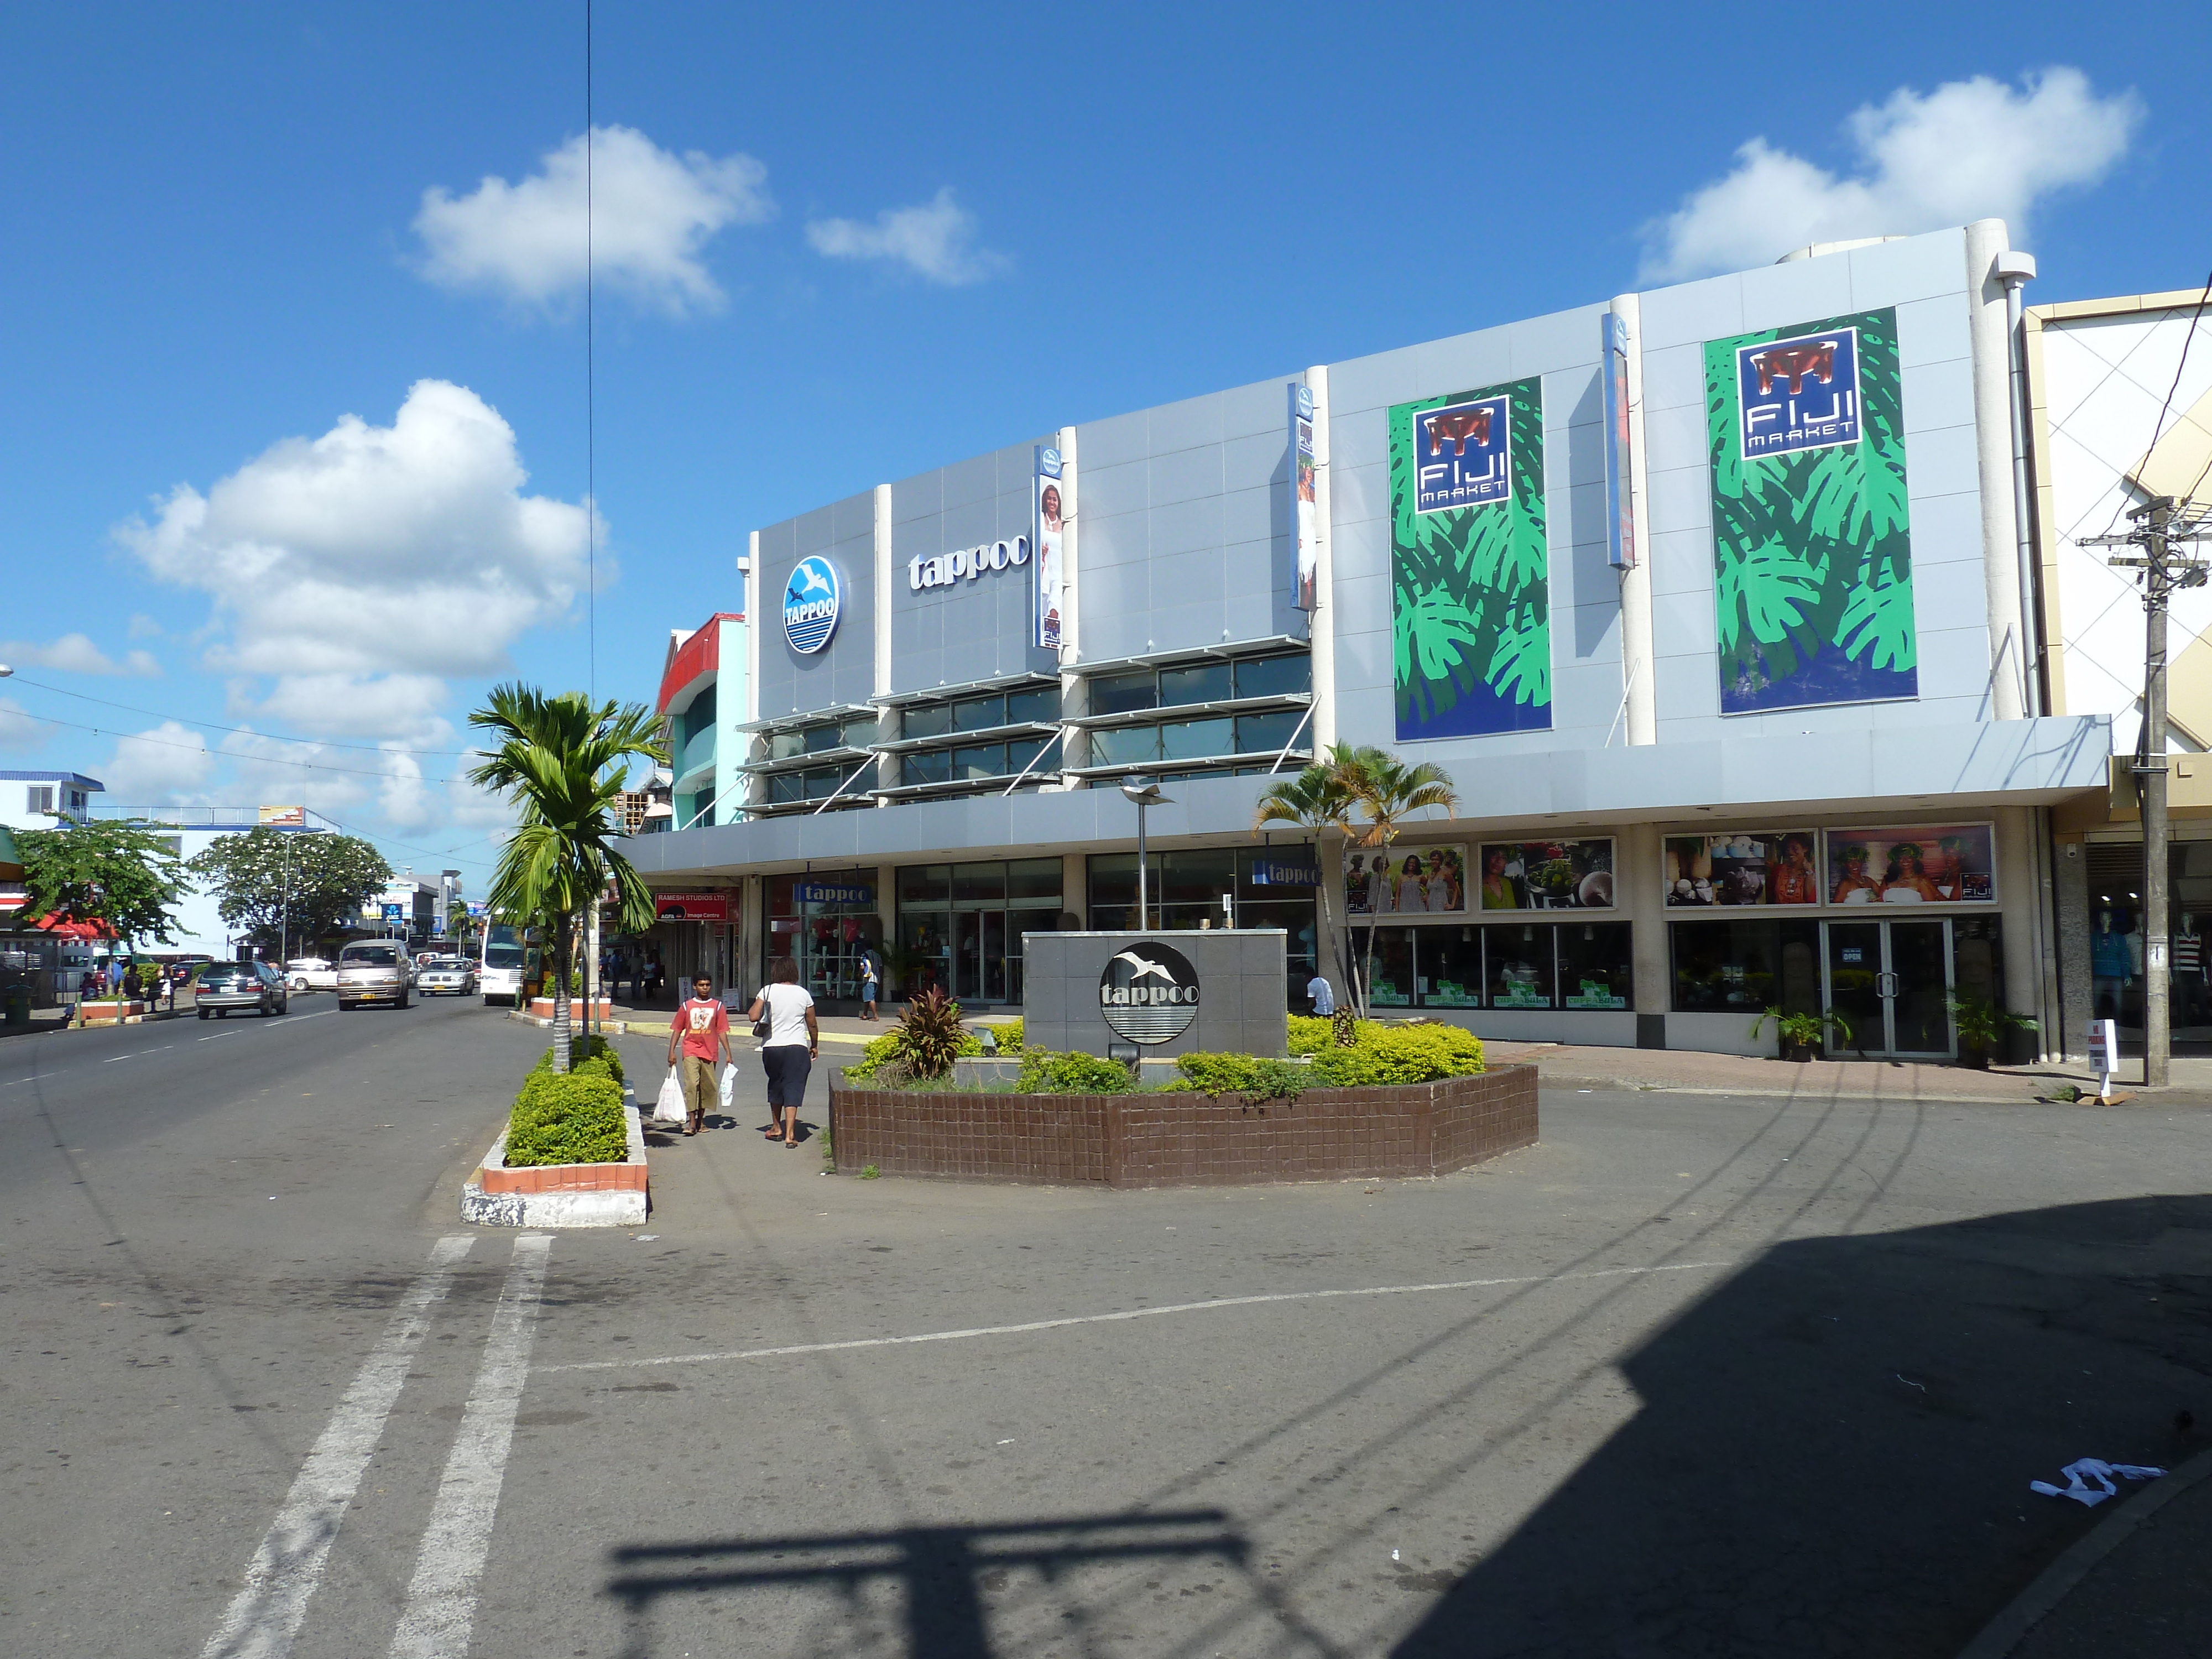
[[960, 926], [1574, 965], [825, 919], [1267, 886]]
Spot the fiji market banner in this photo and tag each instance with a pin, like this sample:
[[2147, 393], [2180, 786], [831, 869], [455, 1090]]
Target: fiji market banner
[[1469, 564], [1812, 548]]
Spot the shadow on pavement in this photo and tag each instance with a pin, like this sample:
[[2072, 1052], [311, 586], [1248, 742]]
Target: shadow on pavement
[[942, 1573], [1832, 1450]]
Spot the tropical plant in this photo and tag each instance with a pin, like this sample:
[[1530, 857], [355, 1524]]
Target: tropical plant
[[1387, 790], [1314, 799], [1802, 1030], [1047, 1072], [931, 1037], [123, 874], [1982, 1024], [280, 886], [562, 761], [1219, 1074], [573, 1119]]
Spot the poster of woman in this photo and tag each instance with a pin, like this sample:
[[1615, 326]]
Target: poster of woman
[[1049, 531], [1744, 867], [1406, 880], [1546, 875], [1923, 864]]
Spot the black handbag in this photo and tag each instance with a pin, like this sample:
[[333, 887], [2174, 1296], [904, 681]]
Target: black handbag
[[766, 1022]]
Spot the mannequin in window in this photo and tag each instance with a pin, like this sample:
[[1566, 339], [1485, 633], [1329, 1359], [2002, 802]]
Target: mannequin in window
[[2188, 974], [2110, 967]]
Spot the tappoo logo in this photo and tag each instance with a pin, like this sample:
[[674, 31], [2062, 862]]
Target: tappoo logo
[[1149, 993], [1462, 455], [1799, 394], [812, 600]]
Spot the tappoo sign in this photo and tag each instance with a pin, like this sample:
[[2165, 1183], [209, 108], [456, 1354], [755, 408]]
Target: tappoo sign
[[1462, 455], [1149, 993], [812, 600], [1799, 394]]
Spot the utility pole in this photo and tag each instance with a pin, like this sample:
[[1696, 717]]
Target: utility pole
[[2155, 533]]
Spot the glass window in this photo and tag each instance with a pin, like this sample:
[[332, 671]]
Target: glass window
[[1035, 882], [700, 716], [1020, 754], [1274, 677], [924, 883], [926, 768], [823, 781], [819, 737], [1121, 694], [931, 722], [786, 745], [1392, 982], [978, 884], [1744, 967], [1518, 962], [860, 731], [785, 787], [1198, 876], [979, 713], [984, 760], [1040, 702], [1200, 683], [1190, 739], [1451, 967], [1125, 745], [1595, 970], [1263, 732]]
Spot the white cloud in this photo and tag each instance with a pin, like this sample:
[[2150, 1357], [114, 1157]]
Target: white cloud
[[143, 627], [934, 239], [20, 729], [652, 214], [363, 568], [75, 654], [1971, 150], [166, 765]]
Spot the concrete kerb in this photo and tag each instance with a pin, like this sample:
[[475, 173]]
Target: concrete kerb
[[601, 1209]]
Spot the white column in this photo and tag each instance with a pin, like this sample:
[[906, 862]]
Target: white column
[[1992, 360], [1323, 624], [1074, 744], [756, 626], [1637, 885], [1075, 885], [1638, 682], [886, 768]]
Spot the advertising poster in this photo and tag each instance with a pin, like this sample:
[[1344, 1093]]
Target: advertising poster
[[1927, 864], [1406, 879], [1751, 866], [280, 817], [1812, 546], [1620, 495], [1051, 569], [1470, 565], [1304, 503], [1544, 875]]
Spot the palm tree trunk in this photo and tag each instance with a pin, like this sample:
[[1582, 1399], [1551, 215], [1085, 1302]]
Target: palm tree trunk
[[591, 972], [564, 927]]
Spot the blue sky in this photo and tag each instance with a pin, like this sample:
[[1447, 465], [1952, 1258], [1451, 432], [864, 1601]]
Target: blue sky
[[837, 246]]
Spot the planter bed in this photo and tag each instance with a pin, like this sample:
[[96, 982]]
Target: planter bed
[[1184, 1139], [541, 1008], [561, 1194], [109, 1011]]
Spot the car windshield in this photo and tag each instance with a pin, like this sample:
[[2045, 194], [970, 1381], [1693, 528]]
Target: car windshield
[[371, 956], [502, 956]]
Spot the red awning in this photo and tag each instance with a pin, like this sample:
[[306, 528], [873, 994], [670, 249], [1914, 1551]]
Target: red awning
[[61, 929]]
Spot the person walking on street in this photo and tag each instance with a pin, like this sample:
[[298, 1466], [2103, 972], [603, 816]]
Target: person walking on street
[[871, 974], [701, 1026], [788, 1051]]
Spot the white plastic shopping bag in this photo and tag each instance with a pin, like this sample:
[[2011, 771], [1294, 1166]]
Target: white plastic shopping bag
[[729, 1087], [669, 1108]]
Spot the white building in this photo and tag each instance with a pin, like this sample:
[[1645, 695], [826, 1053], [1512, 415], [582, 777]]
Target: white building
[[34, 800], [190, 831]]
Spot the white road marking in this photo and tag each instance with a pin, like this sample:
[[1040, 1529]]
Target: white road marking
[[441, 1602], [265, 1614], [1125, 1313], [111, 1058]]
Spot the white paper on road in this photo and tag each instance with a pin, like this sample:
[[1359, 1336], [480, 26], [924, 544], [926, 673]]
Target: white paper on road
[[2096, 1469]]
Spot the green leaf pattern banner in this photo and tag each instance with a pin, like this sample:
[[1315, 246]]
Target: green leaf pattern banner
[[1812, 546], [1471, 586]]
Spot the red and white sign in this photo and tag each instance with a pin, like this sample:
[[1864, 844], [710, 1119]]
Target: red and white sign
[[692, 906]]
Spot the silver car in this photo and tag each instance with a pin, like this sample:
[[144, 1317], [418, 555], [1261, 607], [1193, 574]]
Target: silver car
[[222, 986], [444, 976], [374, 970]]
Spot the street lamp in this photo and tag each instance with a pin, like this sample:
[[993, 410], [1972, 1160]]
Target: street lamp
[[1145, 793]]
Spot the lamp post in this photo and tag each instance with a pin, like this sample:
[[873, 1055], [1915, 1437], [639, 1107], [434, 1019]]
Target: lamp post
[[1145, 793]]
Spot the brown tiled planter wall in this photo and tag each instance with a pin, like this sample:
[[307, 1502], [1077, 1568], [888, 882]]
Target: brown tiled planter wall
[[1185, 1139]]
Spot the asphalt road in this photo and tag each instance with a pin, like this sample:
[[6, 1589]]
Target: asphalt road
[[1694, 1376]]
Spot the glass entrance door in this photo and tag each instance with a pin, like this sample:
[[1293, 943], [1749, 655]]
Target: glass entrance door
[[1890, 982]]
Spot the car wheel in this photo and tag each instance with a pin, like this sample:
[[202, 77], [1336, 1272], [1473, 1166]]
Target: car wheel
[[203, 1013], [222, 1013]]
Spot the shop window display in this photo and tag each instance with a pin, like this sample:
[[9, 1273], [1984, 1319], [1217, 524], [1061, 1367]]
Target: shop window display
[[825, 935], [960, 926]]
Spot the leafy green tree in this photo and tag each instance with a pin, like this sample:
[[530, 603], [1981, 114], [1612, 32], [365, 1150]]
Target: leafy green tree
[[283, 887], [1314, 800], [122, 874], [561, 761]]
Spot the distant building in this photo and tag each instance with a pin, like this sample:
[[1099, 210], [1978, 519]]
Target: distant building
[[703, 680], [190, 831], [34, 800]]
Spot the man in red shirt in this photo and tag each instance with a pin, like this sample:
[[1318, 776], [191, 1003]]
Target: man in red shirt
[[700, 1025]]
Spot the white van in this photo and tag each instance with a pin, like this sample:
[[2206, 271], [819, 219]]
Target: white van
[[374, 970]]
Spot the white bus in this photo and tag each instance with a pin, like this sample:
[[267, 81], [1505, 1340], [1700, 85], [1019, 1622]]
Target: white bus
[[502, 957]]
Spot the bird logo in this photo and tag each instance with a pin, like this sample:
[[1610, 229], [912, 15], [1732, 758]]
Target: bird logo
[[1143, 967]]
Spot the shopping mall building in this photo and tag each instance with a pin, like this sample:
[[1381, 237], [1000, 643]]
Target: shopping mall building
[[1722, 605]]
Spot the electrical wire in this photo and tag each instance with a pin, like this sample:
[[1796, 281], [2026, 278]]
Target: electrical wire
[[2158, 428], [242, 730], [233, 754]]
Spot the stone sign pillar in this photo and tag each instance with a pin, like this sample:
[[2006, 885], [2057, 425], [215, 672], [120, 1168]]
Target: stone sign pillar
[[1160, 995]]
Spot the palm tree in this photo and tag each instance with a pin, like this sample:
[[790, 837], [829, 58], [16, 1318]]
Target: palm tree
[[1387, 789], [561, 761], [1314, 799]]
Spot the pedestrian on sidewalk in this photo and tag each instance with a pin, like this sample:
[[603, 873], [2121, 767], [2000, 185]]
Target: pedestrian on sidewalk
[[788, 1051], [871, 974], [1324, 999], [702, 1024]]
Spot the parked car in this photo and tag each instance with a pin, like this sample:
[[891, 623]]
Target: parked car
[[222, 986], [444, 976], [374, 970], [312, 974]]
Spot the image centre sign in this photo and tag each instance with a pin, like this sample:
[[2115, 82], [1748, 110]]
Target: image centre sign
[[811, 601], [1149, 993]]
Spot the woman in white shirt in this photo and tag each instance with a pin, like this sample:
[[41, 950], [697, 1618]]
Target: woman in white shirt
[[788, 1051]]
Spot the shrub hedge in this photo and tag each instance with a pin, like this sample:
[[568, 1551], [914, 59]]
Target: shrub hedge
[[1045, 1072], [577, 1119], [582, 1049], [1245, 1074]]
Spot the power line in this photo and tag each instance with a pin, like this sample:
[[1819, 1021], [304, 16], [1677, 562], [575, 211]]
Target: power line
[[233, 754], [2158, 428], [245, 730]]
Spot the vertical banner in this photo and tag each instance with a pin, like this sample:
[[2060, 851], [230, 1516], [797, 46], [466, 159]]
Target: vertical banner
[[1470, 566], [1620, 496], [1812, 547], [1304, 523], [1046, 536]]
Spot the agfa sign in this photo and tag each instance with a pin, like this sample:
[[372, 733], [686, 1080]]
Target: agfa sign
[[811, 601]]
